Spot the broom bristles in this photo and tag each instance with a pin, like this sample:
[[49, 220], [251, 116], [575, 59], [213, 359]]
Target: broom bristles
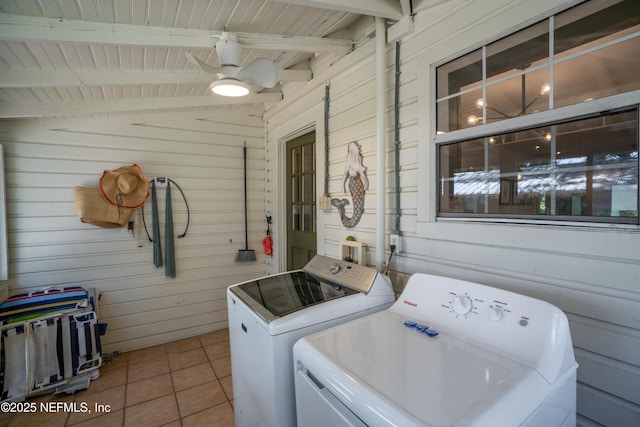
[[246, 255]]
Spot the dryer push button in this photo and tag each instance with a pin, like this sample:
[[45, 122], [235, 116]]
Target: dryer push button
[[421, 328]]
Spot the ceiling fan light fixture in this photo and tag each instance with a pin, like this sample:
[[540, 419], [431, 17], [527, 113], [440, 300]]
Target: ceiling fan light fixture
[[545, 88], [229, 87]]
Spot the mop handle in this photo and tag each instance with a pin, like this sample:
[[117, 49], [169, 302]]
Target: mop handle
[[246, 224]]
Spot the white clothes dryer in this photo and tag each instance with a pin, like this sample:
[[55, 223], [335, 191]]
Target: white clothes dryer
[[447, 353], [268, 315]]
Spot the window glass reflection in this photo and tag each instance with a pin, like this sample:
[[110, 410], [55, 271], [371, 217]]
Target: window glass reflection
[[584, 168]]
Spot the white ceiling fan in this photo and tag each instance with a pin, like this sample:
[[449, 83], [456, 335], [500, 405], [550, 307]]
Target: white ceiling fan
[[234, 80]]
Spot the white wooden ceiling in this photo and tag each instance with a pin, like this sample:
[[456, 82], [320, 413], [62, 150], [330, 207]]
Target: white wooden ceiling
[[78, 57]]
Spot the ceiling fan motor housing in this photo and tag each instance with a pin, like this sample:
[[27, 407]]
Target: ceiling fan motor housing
[[228, 50]]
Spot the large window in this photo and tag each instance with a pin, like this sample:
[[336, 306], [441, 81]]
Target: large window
[[498, 158]]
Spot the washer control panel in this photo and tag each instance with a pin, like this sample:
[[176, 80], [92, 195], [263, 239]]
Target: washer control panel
[[354, 276]]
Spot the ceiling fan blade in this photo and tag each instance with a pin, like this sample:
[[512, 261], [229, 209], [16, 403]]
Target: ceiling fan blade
[[203, 65], [260, 71]]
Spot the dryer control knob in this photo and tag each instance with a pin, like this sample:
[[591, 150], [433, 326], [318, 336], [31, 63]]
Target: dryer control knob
[[495, 313], [462, 305]]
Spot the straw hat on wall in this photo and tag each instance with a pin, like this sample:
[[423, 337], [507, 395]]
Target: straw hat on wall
[[112, 203], [125, 187]]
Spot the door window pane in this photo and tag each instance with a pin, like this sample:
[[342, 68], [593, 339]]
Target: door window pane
[[308, 154], [295, 188], [307, 185], [295, 217], [296, 160], [307, 218]]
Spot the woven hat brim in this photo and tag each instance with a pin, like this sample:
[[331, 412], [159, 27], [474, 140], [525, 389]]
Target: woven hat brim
[[109, 187]]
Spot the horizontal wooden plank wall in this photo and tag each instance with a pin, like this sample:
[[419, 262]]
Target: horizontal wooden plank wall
[[590, 273], [351, 118], [3, 232], [201, 152]]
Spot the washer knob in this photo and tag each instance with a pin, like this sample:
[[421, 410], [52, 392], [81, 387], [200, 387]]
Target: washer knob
[[495, 313], [462, 305], [335, 268]]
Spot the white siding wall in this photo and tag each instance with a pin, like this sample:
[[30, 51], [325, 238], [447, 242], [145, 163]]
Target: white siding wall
[[352, 118], [3, 231], [202, 152], [592, 274]]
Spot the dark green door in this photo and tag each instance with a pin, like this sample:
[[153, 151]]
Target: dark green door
[[301, 200]]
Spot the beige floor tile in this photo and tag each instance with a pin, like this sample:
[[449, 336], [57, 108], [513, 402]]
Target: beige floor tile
[[38, 418], [149, 388], [50, 397], [111, 419], [54, 419], [214, 337], [114, 361], [183, 345], [193, 376], [222, 366], [109, 378], [187, 359], [156, 412], [112, 397], [146, 354], [217, 350], [140, 371], [218, 416], [227, 386], [5, 418], [199, 398]]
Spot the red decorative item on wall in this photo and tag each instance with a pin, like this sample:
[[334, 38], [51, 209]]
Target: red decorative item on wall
[[267, 242]]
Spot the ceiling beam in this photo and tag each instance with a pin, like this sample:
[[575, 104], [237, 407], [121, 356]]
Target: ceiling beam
[[405, 6], [390, 9], [52, 109], [29, 28], [15, 78]]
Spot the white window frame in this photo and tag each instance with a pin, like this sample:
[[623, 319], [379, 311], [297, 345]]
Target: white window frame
[[428, 211]]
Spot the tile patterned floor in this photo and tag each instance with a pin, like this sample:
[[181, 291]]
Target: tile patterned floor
[[183, 383]]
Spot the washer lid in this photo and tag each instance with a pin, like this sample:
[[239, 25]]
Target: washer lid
[[276, 296], [390, 374]]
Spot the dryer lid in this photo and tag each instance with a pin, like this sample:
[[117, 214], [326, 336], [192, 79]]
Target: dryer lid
[[388, 374]]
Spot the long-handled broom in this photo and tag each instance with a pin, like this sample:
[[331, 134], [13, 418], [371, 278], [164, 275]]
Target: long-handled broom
[[245, 254]]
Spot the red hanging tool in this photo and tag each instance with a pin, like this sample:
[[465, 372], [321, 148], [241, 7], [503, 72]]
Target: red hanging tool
[[267, 242]]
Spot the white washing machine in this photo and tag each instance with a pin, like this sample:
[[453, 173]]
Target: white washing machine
[[447, 353], [268, 315]]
